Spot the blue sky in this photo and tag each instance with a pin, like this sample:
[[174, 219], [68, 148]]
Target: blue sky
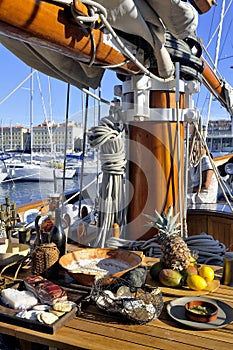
[[16, 109]]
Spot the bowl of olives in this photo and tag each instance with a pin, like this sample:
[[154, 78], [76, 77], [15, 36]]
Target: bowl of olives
[[201, 311]]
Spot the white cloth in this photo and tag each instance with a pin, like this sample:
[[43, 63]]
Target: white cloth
[[150, 19], [204, 196]]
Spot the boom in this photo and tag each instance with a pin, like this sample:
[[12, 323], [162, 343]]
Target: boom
[[49, 25]]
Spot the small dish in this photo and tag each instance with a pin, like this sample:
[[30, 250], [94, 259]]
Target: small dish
[[201, 311], [176, 309]]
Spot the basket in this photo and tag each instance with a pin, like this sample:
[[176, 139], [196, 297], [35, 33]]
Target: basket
[[139, 305], [44, 257]]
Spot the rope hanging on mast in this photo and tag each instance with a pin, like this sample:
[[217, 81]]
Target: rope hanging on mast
[[108, 138]]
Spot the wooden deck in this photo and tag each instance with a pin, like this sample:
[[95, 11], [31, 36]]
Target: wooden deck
[[96, 330]]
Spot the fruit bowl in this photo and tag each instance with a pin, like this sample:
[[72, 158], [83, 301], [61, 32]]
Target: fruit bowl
[[201, 311], [88, 264]]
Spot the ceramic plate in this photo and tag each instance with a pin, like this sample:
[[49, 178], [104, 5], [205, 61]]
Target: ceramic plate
[[176, 309]]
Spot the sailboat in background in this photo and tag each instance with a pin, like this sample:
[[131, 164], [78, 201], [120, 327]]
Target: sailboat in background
[[18, 170], [25, 167]]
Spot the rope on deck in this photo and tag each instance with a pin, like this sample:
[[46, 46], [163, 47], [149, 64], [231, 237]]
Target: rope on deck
[[210, 251]]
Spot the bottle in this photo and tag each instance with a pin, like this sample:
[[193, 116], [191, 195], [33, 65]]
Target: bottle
[[57, 233], [227, 277]]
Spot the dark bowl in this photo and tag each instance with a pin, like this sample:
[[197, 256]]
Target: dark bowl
[[194, 311]]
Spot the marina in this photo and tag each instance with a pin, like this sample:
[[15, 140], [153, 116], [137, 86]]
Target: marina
[[29, 192]]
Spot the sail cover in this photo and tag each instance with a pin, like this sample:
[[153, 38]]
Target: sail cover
[[55, 64], [149, 19]]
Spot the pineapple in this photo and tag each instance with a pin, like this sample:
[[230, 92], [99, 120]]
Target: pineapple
[[175, 253]]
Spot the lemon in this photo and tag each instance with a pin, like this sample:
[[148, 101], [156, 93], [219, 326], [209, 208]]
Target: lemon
[[207, 273], [196, 282]]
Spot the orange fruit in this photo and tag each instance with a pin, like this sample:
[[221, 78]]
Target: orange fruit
[[206, 272], [196, 282]]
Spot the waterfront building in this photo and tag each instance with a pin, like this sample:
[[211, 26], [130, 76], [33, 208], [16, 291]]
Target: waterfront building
[[46, 137], [50, 137], [13, 138], [220, 136]]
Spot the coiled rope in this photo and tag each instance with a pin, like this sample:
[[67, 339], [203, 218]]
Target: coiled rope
[[108, 138], [209, 250], [191, 66]]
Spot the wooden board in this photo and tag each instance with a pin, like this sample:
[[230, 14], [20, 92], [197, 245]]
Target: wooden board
[[8, 315], [184, 291]]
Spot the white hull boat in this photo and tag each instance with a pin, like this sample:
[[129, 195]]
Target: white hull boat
[[36, 172]]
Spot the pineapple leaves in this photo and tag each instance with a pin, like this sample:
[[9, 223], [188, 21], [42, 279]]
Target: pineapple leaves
[[165, 223]]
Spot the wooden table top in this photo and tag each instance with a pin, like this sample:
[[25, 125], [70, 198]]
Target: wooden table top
[[97, 330]]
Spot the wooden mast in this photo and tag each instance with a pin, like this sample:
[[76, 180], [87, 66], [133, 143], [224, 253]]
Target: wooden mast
[[155, 150]]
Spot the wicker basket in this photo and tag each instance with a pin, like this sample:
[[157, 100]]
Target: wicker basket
[[139, 305], [44, 258]]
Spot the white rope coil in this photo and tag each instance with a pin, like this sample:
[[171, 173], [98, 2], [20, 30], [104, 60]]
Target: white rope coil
[[108, 138]]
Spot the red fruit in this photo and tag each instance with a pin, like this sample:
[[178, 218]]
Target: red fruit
[[191, 270]]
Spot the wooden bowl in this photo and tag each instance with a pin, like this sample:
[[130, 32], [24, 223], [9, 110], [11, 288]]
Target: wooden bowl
[[192, 309], [124, 259]]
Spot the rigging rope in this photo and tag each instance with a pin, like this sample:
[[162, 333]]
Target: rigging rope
[[83, 150], [66, 141], [179, 50], [202, 143], [108, 138], [17, 87]]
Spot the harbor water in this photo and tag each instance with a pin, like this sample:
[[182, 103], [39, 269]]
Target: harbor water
[[27, 192]]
